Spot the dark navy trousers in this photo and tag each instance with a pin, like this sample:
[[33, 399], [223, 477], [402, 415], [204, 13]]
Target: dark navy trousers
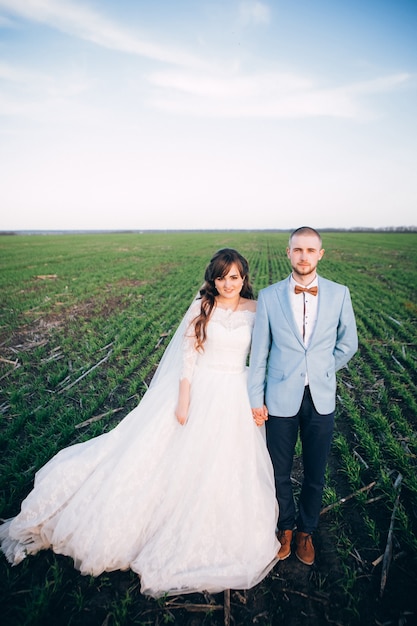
[[316, 433]]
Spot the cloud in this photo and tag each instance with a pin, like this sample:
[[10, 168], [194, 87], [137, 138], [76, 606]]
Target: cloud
[[254, 12], [267, 95], [229, 87], [40, 96], [84, 23], [5, 22], [381, 84]]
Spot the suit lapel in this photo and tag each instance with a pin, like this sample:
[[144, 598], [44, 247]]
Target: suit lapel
[[283, 296]]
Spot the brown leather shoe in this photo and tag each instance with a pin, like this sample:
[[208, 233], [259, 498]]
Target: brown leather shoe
[[285, 538], [305, 549]]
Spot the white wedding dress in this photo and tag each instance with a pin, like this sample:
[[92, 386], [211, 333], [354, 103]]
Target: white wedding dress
[[189, 508]]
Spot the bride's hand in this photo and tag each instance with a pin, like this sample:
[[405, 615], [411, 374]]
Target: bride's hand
[[181, 417], [181, 412]]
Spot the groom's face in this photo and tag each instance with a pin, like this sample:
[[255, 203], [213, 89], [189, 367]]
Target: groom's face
[[304, 253]]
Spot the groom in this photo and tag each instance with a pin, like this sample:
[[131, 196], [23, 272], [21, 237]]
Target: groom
[[304, 332]]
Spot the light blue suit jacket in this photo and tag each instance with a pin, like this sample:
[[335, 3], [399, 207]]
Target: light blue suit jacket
[[279, 361]]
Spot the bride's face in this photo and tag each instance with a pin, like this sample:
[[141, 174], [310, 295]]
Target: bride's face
[[230, 285]]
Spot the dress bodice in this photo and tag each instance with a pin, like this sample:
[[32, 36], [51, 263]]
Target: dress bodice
[[227, 345], [228, 340]]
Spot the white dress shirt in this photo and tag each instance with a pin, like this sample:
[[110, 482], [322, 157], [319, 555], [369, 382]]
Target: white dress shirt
[[304, 307]]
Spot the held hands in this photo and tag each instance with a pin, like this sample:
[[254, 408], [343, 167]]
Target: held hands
[[260, 415]]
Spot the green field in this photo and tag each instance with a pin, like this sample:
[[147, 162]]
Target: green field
[[84, 321]]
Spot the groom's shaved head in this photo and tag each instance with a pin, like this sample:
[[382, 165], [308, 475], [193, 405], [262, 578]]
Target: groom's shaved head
[[305, 230]]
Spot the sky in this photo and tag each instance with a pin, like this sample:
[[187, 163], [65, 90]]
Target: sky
[[207, 114]]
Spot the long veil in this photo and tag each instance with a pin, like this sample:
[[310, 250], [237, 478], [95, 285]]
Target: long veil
[[172, 359], [29, 537]]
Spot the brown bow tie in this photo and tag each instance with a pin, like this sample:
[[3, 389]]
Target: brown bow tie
[[312, 290]]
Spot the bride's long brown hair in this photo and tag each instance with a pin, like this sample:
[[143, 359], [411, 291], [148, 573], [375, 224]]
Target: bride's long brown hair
[[218, 267]]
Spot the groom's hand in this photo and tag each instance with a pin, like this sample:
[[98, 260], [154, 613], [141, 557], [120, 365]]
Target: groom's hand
[[260, 415]]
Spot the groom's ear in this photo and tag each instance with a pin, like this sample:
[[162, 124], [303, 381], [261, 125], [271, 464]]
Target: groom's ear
[[321, 254]]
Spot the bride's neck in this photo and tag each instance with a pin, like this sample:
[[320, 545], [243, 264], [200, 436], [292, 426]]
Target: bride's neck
[[226, 303]]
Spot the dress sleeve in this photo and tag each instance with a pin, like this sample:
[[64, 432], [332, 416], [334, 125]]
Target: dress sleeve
[[189, 352]]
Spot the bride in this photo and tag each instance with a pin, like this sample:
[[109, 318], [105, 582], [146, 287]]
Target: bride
[[182, 490]]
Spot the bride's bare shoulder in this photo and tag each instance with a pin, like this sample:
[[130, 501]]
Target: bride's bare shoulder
[[248, 305]]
